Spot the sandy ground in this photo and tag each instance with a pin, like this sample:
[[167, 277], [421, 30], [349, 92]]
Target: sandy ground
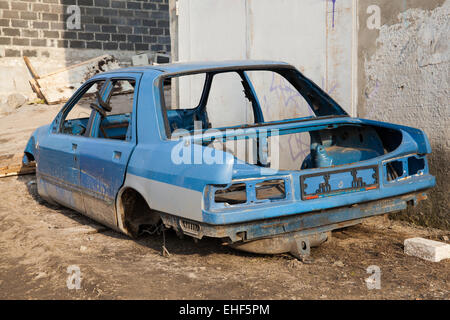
[[17, 127], [39, 241]]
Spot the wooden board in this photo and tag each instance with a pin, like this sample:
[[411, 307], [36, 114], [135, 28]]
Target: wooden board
[[60, 85], [17, 169]]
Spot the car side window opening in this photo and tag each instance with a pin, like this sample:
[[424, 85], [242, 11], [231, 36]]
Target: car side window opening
[[215, 101], [227, 105], [279, 99], [116, 124], [184, 92], [182, 98], [225, 99], [75, 122]]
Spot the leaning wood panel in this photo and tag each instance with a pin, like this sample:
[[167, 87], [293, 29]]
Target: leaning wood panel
[[59, 86]]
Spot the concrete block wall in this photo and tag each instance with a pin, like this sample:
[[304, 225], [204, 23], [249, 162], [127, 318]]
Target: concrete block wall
[[105, 24]]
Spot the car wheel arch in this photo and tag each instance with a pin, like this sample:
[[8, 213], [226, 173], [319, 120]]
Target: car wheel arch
[[29, 152], [134, 211]]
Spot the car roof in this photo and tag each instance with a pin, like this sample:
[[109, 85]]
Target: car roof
[[199, 66]]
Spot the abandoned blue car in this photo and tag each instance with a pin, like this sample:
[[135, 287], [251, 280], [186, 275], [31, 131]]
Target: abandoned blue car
[[250, 152]]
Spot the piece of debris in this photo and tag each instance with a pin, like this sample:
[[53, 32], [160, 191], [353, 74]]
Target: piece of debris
[[36, 101], [294, 263], [165, 252], [16, 100], [338, 264], [59, 86], [160, 58], [140, 59], [91, 229], [445, 238], [426, 249], [32, 182], [83, 248], [40, 275]]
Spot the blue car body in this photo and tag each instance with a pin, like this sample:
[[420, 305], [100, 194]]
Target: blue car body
[[92, 175]]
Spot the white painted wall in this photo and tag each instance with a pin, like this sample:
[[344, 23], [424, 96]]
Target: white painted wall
[[340, 42], [304, 33]]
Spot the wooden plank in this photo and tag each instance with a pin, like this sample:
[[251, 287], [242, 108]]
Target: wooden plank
[[81, 64], [33, 82], [30, 68], [37, 89], [59, 86], [86, 229], [17, 169]]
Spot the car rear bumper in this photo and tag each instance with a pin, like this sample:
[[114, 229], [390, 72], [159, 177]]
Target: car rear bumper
[[296, 205], [304, 224]]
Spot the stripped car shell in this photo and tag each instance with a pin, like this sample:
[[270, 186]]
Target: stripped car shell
[[356, 168]]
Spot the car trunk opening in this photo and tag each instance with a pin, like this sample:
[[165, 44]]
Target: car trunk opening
[[294, 149]]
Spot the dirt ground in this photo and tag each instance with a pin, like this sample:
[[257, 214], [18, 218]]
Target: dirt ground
[[38, 242], [16, 127]]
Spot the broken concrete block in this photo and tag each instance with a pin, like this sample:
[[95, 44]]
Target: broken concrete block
[[140, 59], [160, 58], [16, 100], [427, 249]]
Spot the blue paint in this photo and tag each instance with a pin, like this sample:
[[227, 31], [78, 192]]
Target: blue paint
[[334, 11], [308, 223], [239, 214]]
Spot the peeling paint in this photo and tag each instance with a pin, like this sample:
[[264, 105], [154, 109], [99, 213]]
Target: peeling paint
[[407, 82]]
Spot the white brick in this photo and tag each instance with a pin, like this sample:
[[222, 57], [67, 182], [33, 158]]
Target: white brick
[[427, 249]]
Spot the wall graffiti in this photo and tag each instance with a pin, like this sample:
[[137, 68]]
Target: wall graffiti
[[298, 145], [333, 12]]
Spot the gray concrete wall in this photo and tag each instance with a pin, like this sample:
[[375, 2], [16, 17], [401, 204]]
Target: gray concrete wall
[[403, 77]]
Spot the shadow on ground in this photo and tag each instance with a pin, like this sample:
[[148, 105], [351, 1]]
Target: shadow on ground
[[174, 244]]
